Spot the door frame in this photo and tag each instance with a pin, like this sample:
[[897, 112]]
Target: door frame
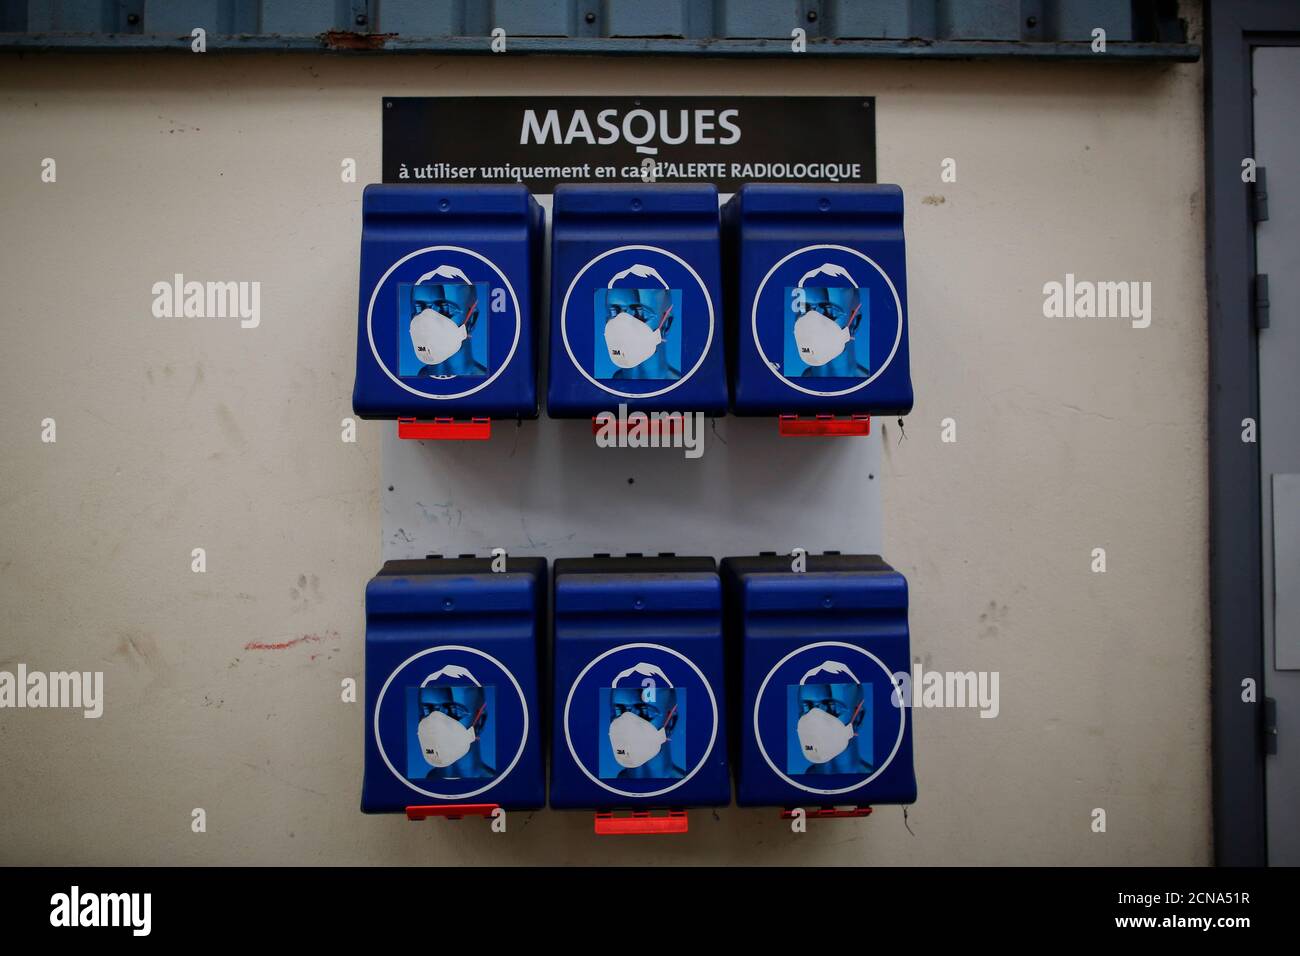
[[1233, 28]]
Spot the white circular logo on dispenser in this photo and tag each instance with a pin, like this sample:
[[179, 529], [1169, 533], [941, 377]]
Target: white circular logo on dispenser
[[443, 321], [820, 706], [642, 314], [830, 338], [643, 718], [457, 722]]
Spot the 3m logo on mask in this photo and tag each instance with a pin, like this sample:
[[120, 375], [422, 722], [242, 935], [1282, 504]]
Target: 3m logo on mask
[[435, 336], [444, 739], [630, 341], [634, 739], [826, 321]]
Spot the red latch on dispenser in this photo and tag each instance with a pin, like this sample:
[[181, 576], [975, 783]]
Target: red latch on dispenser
[[642, 822], [445, 429], [828, 425], [824, 813], [664, 424], [452, 811]]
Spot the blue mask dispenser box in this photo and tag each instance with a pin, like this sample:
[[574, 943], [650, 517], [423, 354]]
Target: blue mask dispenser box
[[814, 656], [446, 323], [820, 324], [636, 308], [638, 684], [452, 682]]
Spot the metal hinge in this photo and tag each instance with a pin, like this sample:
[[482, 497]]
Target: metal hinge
[[1261, 301], [1270, 726], [1259, 196]]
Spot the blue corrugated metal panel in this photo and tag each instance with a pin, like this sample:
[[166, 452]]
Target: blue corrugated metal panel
[[757, 18], [1076, 19], [991, 20], [636, 18], [884, 19], [421, 18], [612, 46], [70, 16], [299, 16], [182, 16], [535, 18], [1044, 29]]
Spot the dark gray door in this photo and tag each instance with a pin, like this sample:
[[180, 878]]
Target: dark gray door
[[1277, 248]]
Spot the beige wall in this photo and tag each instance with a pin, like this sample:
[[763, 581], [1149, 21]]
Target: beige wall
[[175, 435]]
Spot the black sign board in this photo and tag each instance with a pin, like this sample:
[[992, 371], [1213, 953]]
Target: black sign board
[[544, 140]]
